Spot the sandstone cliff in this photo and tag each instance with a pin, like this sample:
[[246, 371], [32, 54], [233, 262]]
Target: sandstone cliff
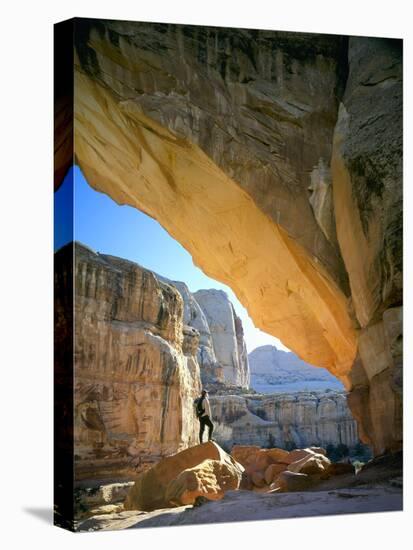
[[367, 174], [275, 159], [136, 372], [303, 419], [227, 336], [222, 353], [274, 370]]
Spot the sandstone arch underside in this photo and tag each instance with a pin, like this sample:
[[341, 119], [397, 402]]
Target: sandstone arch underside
[[275, 160]]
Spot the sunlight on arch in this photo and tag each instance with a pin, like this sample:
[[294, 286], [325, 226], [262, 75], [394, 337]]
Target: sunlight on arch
[[123, 231]]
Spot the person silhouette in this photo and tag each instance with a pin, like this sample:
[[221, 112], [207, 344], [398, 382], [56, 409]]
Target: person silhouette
[[203, 409]]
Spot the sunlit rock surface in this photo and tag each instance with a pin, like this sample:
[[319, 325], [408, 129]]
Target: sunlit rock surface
[[203, 470], [303, 419], [220, 148], [253, 148], [137, 345], [222, 353], [134, 384], [227, 336]]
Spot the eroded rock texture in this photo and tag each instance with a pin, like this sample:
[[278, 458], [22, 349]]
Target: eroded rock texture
[[137, 346], [275, 159], [302, 419], [367, 175], [222, 353], [194, 316], [202, 471], [227, 336], [136, 372]]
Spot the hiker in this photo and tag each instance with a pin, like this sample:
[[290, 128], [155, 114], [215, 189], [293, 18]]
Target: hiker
[[203, 412]]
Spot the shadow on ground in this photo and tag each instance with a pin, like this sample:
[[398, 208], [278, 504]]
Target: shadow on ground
[[44, 514]]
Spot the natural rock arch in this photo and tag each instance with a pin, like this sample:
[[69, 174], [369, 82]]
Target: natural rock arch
[[226, 137]]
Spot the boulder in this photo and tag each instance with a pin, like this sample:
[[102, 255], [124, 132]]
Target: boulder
[[210, 479], [244, 454], [272, 472], [261, 462], [339, 468], [318, 450], [278, 455], [258, 479], [150, 488], [291, 481], [255, 459], [297, 454], [310, 464]]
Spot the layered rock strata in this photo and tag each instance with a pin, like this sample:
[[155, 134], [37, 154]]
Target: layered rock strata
[[302, 419], [275, 159], [136, 372], [222, 353], [194, 316], [227, 336]]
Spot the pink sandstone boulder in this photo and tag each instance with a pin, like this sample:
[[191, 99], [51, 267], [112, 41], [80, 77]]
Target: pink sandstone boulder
[[150, 488], [210, 479], [338, 469], [290, 481], [258, 479], [312, 464], [272, 472]]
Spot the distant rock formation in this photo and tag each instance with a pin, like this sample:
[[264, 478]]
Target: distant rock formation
[[276, 370], [227, 336], [222, 352], [283, 420], [211, 370]]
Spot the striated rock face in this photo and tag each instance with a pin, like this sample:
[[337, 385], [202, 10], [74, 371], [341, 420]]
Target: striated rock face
[[304, 419], [275, 159], [274, 370], [227, 336], [136, 372], [222, 353], [211, 370], [367, 173]]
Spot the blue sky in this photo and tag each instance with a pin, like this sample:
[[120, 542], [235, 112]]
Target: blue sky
[[106, 227]]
